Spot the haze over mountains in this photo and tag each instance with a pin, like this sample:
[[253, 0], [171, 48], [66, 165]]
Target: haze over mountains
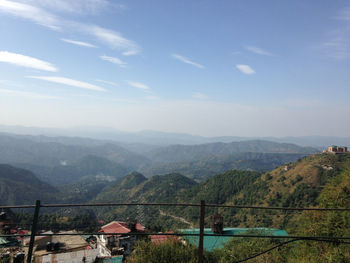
[[63, 160], [81, 168], [249, 172], [150, 139]]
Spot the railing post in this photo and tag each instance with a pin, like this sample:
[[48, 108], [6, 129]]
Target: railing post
[[201, 232], [32, 235]]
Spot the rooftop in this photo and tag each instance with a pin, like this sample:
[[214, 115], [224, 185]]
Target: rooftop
[[213, 242], [120, 227]]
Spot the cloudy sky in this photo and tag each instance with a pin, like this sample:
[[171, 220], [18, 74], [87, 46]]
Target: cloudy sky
[[244, 68]]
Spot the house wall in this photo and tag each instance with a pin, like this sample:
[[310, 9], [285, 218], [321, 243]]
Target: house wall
[[70, 257]]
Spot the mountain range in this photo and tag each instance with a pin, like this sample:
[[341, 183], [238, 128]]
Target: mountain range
[[63, 160], [146, 140]]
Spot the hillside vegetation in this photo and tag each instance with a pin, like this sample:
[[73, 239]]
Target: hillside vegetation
[[320, 180], [19, 186]]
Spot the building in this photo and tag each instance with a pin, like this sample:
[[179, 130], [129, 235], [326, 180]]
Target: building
[[120, 243], [159, 239], [68, 248], [213, 242], [337, 149]]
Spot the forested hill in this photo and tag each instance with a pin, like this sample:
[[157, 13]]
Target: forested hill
[[19, 186], [160, 188], [304, 183], [181, 153], [299, 184], [202, 168]]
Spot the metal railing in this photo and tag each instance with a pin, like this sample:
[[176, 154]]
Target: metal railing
[[201, 234]]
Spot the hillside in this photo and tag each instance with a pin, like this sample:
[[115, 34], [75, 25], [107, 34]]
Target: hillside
[[206, 167], [19, 186], [89, 166], [298, 184], [157, 188], [137, 188]]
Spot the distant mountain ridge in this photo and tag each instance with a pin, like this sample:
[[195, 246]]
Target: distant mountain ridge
[[21, 149], [60, 160], [157, 138], [180, 153]]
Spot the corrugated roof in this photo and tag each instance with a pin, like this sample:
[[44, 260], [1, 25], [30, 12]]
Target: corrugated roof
[[213, 242], [8, 242], [120, 227], [118, 259]]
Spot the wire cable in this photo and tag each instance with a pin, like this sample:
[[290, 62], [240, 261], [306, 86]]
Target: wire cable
[[266, 251], [290, 241]]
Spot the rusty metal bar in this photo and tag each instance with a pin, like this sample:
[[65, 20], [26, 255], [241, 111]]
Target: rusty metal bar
[[32, 234], [201, 232]]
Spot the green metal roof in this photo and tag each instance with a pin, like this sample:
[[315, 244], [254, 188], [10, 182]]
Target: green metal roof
[[8, 242], [118, 259], [213, 242]]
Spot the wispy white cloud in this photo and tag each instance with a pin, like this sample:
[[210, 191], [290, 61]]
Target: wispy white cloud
[[76, 6], [19, 93], [130, 52], [246, 69], [30, 12], [199, 96], [338, 47], [258, 50], [111, 38], [25, 61], [344, 14], [78, 43], [69, 82], [338, 44], [114, 60], [138, 85], [107, 82], [186, 60]]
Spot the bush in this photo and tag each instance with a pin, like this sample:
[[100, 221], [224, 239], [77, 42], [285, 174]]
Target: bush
[[167, 252]]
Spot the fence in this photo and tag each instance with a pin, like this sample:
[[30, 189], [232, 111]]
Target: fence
[[201, 234]]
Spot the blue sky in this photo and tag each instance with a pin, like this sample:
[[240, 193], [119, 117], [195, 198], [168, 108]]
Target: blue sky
[[245, 68]]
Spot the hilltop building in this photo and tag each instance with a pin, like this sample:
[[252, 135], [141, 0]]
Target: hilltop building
[[337, 149]]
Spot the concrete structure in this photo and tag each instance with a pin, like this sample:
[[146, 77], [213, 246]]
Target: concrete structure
[[337, 149], [66, 248], [118, 243], [88, 256]]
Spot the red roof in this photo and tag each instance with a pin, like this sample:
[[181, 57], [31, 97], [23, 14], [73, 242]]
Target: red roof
[[19, 232], [157, 239], [120, 227]]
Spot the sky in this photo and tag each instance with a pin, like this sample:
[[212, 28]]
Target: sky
[[210, 68]]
